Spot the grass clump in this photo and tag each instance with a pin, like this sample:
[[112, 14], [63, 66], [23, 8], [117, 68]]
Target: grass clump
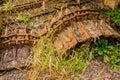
[[47, 64], [24, 19], [110, 52], [8, 6]]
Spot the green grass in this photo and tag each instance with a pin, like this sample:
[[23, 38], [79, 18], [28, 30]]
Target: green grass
[[115, 15], [8, 6], [47, 59], [109, 51], [23, 19]]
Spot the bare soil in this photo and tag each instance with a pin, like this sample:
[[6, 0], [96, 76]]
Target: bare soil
[[98, 70]]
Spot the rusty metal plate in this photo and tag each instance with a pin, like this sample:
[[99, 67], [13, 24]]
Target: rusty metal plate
[[65, 39], [80, 32], [14, 75], [14, 56]]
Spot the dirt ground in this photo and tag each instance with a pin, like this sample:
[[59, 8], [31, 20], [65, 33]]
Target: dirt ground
[[98, 70]]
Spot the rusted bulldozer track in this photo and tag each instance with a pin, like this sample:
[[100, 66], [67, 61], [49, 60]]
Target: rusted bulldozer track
[[38, 3], [18, 35], [66, 30], [81, 15], [86, 24]]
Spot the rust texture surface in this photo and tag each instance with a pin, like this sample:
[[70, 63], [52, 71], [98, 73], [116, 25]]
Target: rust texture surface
[[13, 57]]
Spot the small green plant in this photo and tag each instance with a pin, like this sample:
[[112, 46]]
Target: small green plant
[[110, 52], [115, 15], [23, 18], [7, 6]]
